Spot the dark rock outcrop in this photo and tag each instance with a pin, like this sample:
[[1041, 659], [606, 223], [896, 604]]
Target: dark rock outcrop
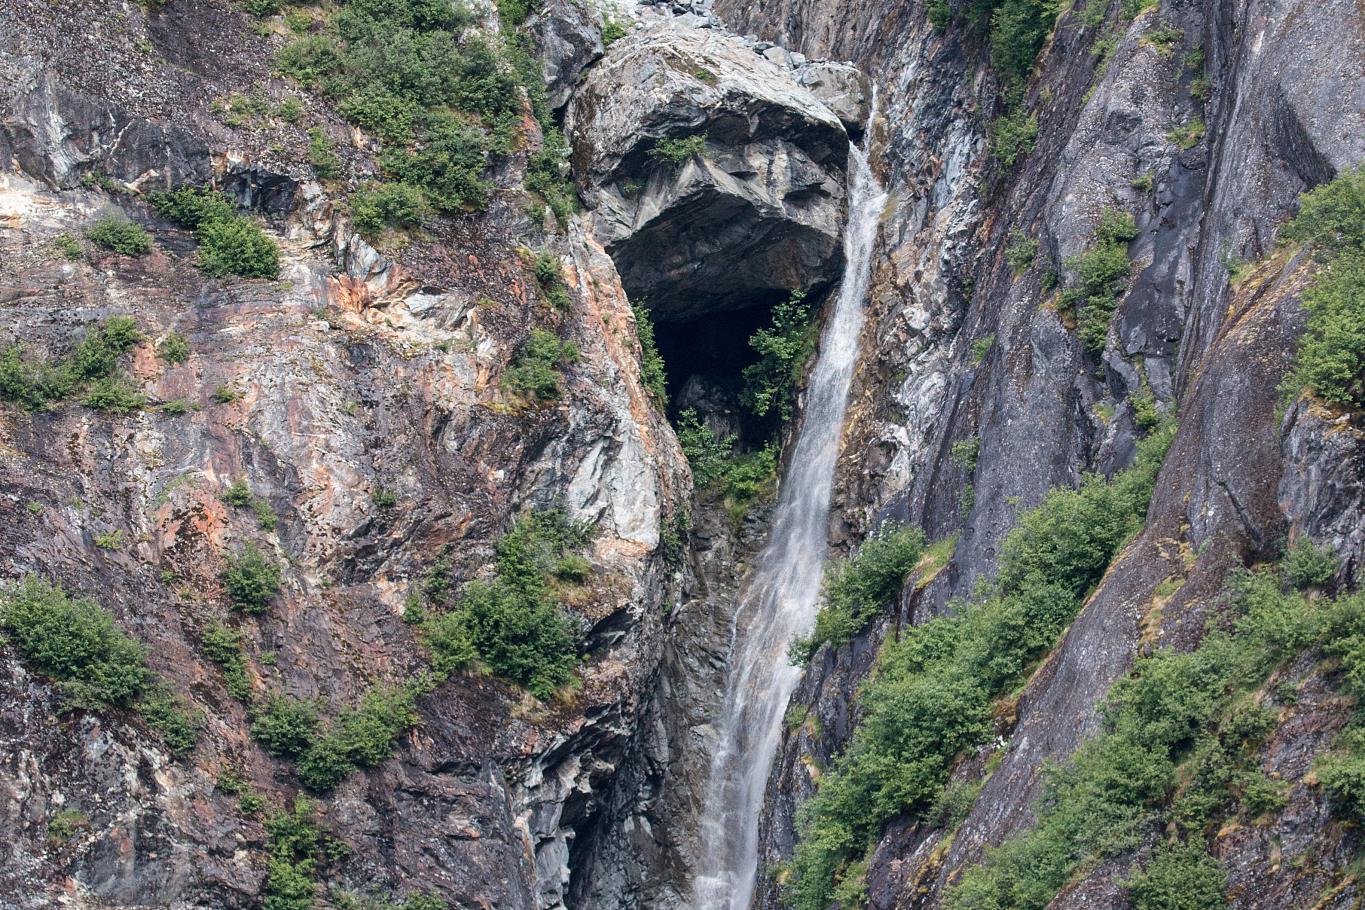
[[754, 213]]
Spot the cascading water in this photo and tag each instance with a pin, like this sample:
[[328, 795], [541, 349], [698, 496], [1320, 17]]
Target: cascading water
[[779, 601]]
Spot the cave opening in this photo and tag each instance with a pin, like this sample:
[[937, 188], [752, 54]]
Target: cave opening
[[704, 360]]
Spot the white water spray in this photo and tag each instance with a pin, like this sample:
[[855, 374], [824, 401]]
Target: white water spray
[[779, 601]]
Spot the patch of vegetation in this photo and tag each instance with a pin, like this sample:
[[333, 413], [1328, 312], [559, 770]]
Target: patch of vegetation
[[513, 624], [298, 845], [1331, 357], [359, 737], [119, 235], [858, 588], [675, 152], [550, 177], [1023, 251], [113, 395], [549, 272], [982, 346], [717, 467], [1309, 566], [652, 374], [965, 452], [322, 154], [1013, 136], [612, 31], [223, 645], [930, 697], [1102, 273], [111, 540], [63, 826], [229, 243], [1178, 750], [94, 664], [173, 349], [376, 206], [68, 246], [285, 726], [1188, 135], [239, 496], [783, 347], [251, 580], [537, 371]]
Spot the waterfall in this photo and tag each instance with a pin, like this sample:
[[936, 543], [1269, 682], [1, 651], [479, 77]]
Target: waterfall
[[779, 600]]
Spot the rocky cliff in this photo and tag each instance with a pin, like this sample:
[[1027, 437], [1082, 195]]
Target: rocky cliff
[[377, 415]]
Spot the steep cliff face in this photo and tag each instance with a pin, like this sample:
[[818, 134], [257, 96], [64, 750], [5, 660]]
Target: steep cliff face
[[360, 402], [965, 346]]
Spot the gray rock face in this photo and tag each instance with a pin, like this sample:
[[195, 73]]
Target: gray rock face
[[567, 38], [754, 214], [841, 88]]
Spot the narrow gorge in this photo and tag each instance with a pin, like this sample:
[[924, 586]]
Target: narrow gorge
[[682, 454]]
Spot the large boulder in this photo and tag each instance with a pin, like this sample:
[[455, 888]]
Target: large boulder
[[759, 210], [566, 37]]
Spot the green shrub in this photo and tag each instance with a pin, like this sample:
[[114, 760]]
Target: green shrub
[[35, 383], [783, 348], [285, 726], [322, 154], [653, 376], [223, 645], [966, 451], [112, 395], [1102, 272], [376, 206], [549, 274], [97, 356], [930, 698], [237, 247], [229, 244], [1331, 356], [1188, 135], [173, 349], [172, 717], [68, 246], [1331, 218], [1309, 566], [1022, 252], [193, 208], [549, 175], [1342, 775], [359, 737], [738, 477], [512, 624], [1013, 136], [119, 235], [75, 642], [675, 152], [66, 824], [537, 371], [857, 589], [448, 166], [251, 580], [297, 845], [612, 31]]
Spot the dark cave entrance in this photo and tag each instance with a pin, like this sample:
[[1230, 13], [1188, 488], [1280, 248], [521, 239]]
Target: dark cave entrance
[[704, 358]]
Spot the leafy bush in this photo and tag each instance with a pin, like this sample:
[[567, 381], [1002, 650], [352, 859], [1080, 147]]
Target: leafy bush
[[376, 206], [36, 383], [448, 166], [1180, 877], [512, 624], [1102, 272], [68, 246], [783, 348], [322, 154], [675, 152], [172, 717], [549, 175], [360, 737], [223, 645], [1188, 135], [76, 642], [652, 373], [113, 395], [612, 31], [1308, 565], [1331, 218], [229, 244], [1022, 252], [858, 588], [738, 477], [297, 844], [285, 726], [1342, 775], [1013, 136], [251, 580], [120, 236], [536, 372], [549, 274], [930, 699], [237, 247], [174, 349]]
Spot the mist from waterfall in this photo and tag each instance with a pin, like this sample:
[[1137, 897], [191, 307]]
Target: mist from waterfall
[[779, 600]]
